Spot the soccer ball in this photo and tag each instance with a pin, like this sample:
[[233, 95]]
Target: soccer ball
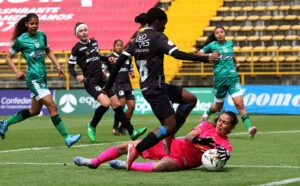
[[211, 160]]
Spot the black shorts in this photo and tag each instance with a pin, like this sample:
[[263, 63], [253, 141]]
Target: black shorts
[[161, 105], [124, 90], [174, 93], [94, 87]]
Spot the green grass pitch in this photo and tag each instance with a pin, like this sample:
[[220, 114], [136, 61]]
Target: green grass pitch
[[33, 153]]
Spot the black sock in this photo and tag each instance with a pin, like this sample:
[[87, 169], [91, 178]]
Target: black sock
[[124, 120], [180, 120], [149, 141], [99, 112], [116, 121]]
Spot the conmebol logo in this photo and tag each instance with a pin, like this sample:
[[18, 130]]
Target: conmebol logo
[[270, 99], [68, 102]]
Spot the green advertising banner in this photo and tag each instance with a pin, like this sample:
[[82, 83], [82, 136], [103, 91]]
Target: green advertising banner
[[79, 102]]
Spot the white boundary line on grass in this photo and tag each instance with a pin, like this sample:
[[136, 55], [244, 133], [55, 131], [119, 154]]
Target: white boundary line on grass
[[282, 182], [111, 143], [234, 166]]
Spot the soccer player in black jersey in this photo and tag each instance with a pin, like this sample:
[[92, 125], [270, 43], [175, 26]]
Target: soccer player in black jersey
[[148, 49], [85, 53], [122, 85]]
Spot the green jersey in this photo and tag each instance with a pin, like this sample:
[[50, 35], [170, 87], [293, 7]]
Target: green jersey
[[225, 66], [33, 51]]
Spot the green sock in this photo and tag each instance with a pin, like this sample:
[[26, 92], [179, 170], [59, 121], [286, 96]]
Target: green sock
[[19, 116], [246, 121], [60, 126], [209, 112]]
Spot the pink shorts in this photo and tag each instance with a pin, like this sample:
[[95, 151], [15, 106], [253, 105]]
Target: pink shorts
[[185, 154]]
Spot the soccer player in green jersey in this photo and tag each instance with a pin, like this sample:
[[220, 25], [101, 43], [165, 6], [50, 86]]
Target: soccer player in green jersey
[[225, 77], [32, 43]]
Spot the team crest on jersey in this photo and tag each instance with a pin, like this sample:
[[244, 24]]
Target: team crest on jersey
[[142, 41], [36, 44], [98, 88], [225, 49]]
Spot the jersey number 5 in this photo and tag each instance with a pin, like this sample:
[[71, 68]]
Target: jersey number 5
[[143, 69]]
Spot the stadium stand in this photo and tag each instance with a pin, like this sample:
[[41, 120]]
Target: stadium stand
[[265, 33]]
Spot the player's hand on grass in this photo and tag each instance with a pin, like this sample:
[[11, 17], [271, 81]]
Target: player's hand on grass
[[224, 154], [204, 141]]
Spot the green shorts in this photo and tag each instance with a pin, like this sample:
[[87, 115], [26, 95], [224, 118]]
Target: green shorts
[[229, 84], [38, 88]]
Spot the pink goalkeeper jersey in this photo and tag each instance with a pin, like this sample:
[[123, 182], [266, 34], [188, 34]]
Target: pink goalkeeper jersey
[[190, 154]]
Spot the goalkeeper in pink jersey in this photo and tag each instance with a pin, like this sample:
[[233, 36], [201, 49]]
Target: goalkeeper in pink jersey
[[185, 153]]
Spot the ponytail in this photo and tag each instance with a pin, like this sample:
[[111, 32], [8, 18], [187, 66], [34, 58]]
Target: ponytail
[[152, 15]]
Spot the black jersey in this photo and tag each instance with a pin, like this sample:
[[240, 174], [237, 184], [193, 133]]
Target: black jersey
[[148, 49], [87, 56], [123, 76]]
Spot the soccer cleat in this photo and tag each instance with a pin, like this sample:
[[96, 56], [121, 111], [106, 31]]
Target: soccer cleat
[[132, 154], [80, 161], [71, 139], [3, 128], [116, 132], [137, 133], [252, 131], [91, 132], [118, 164]]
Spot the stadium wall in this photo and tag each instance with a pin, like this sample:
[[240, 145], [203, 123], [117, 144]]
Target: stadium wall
[[258, 99]]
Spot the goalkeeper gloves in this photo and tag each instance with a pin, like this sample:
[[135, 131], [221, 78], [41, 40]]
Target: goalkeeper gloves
[[224, 154], [204, 141]]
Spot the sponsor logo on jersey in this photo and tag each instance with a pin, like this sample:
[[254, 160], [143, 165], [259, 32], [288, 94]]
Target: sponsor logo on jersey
[[142, 40]]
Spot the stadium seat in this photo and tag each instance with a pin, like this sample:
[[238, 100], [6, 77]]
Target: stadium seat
[[235, 9], [247, 28], [291, 58], [209, 29], [295, 7], [291, 37], [260, 8], [229, 38], [284, 8], [265, 58], [265, 18], [278, 58], [278, 17], [272, 8], [236, 48], [290, 17], [259, 49], [246, 49], [285, 48], [278, 38], [228, 18], [252, 38], [240, 18], [217, 19], [240, 38], [247, 9], [284, 27], [253, 18], [271, 48], [241, 59], [234, 28], [252, 58], [265, 38]]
